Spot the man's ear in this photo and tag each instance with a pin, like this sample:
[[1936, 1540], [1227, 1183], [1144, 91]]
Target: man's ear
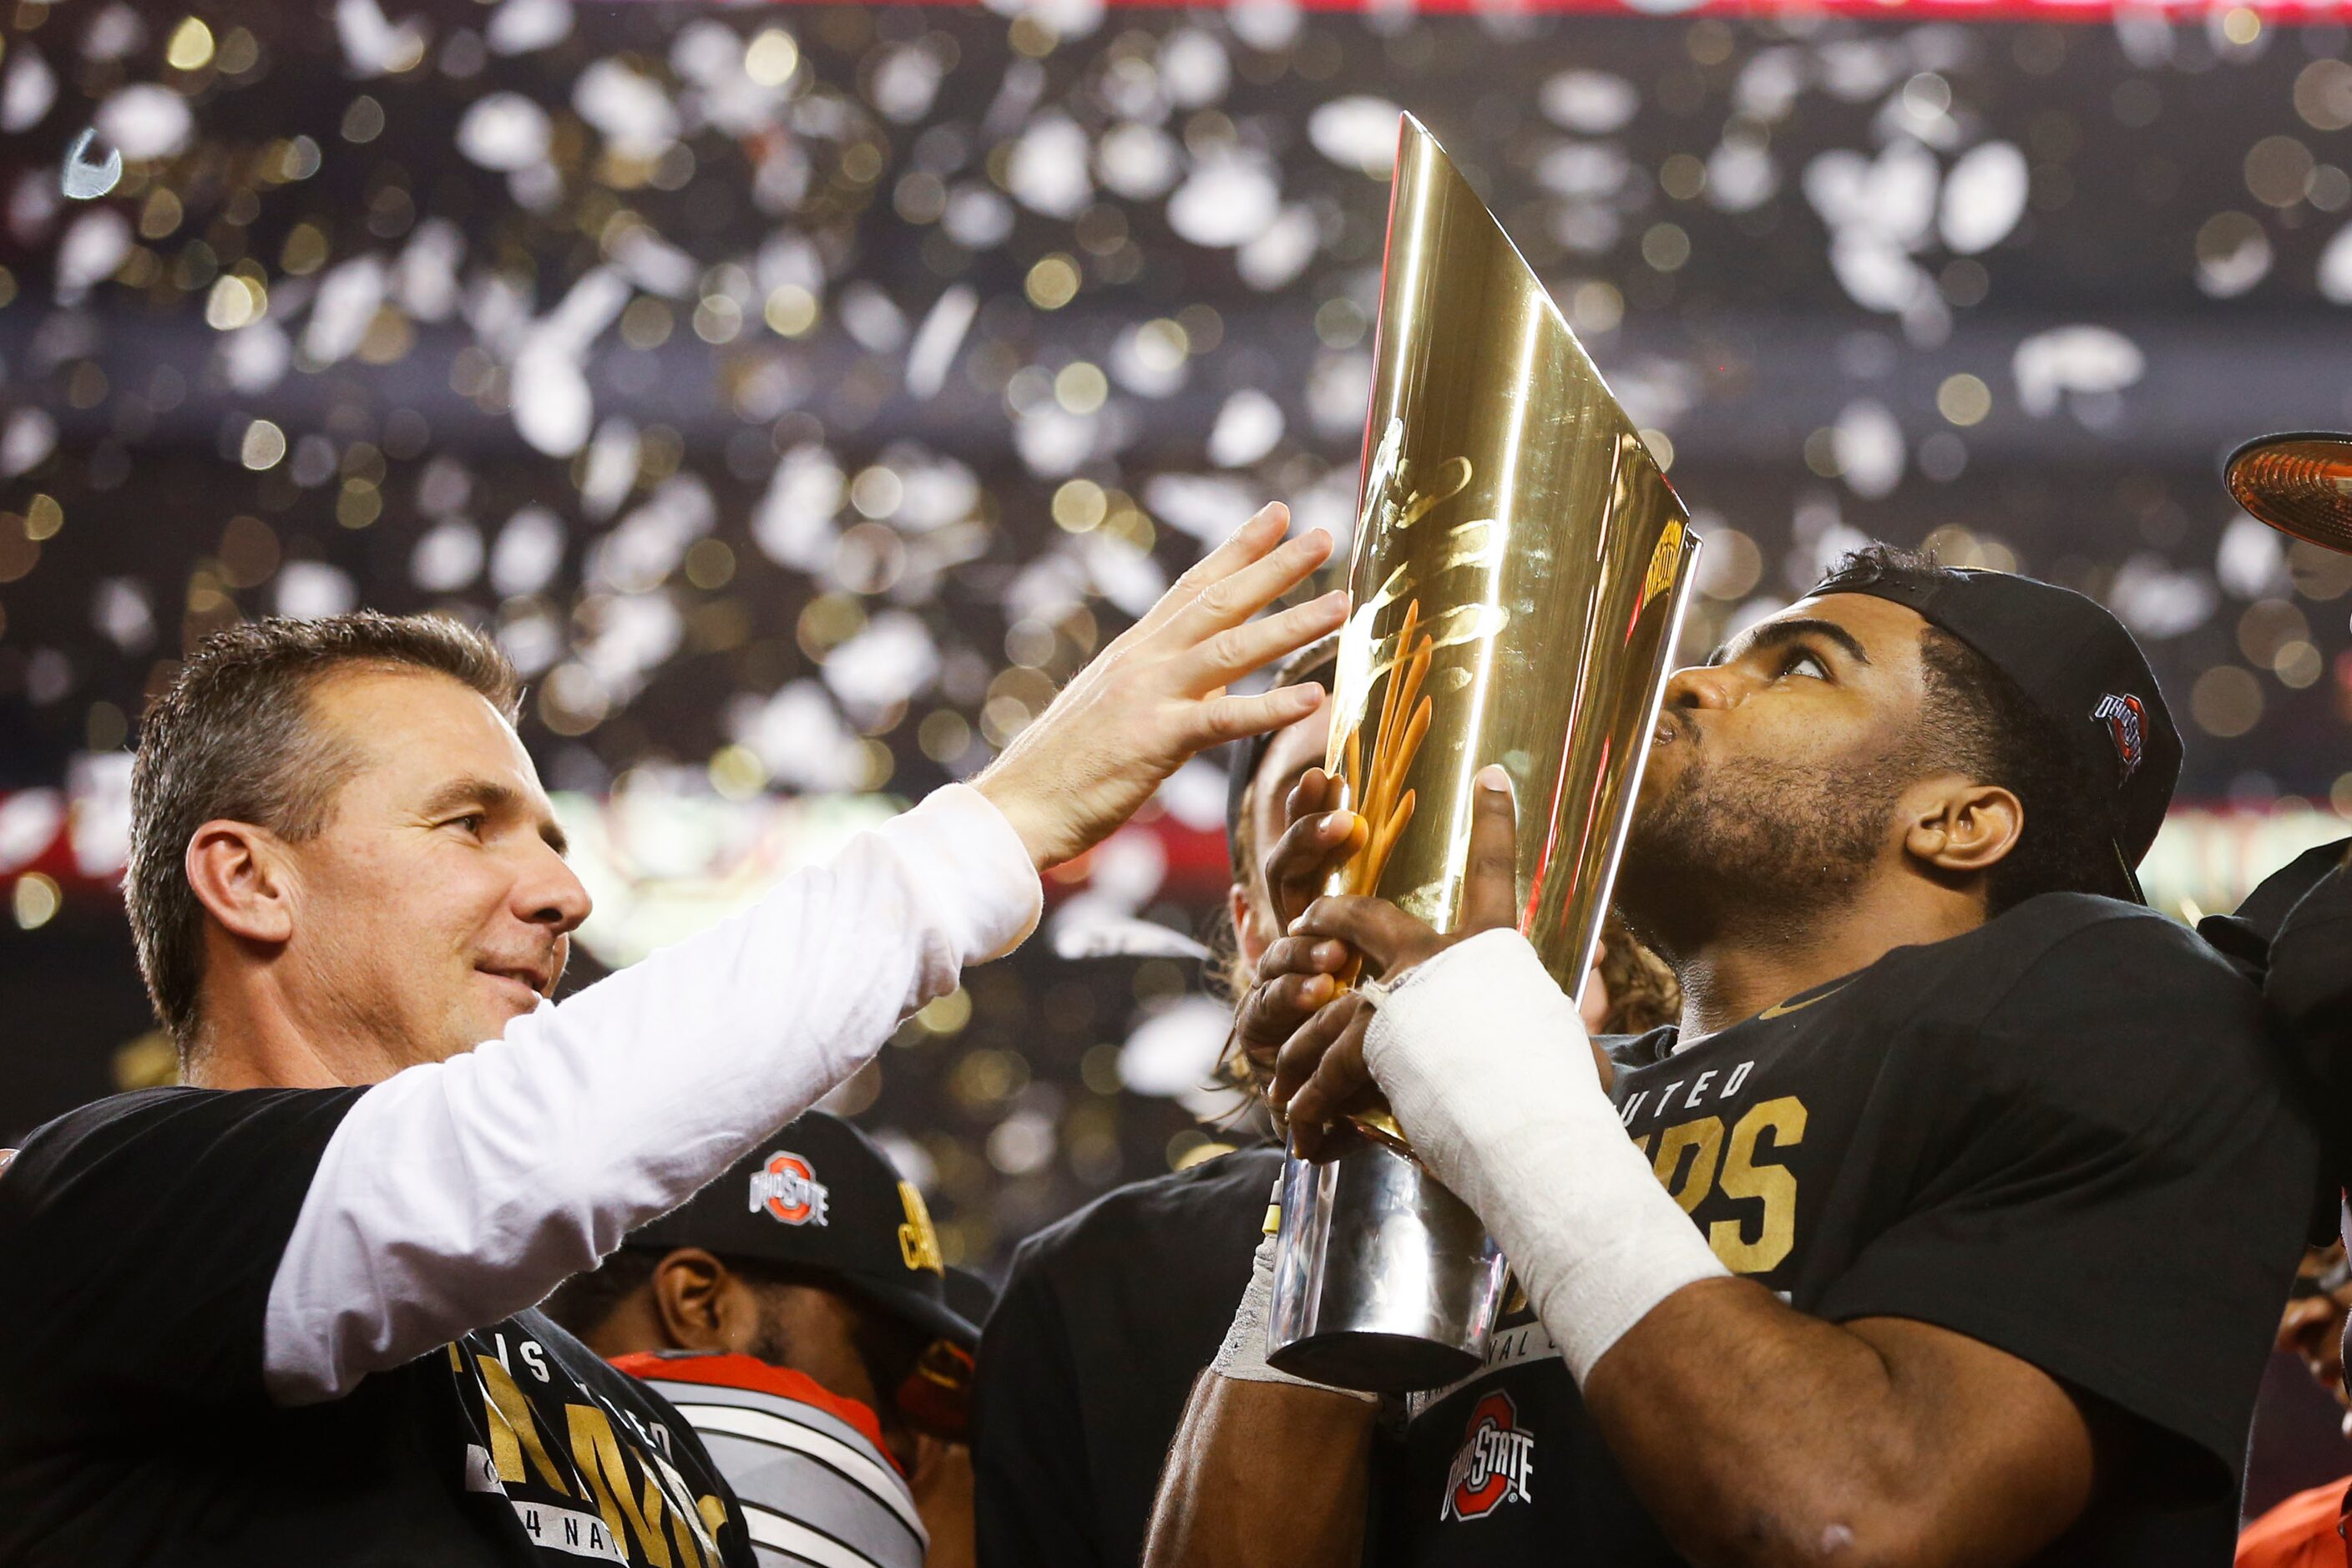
[[691, 1291], [1248, 935], [244, 877], [1964, 829]]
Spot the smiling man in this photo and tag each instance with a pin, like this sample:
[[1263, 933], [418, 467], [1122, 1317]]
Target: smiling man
[[1829, 1273], [286, 1314]]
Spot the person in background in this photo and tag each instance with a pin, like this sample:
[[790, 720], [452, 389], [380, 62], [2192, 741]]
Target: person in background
[[1106, 1316], [795, 1313], [2305, 1531], [2295, 919], [288, 1313]]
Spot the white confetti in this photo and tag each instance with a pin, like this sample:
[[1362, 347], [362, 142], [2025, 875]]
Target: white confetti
[[92, 248], [504, 131], [1356, 133], [937, 339], [26, 441], [2083, 359], [145, 121], [523, 26], [307, 589], [447, 557], [1869, 447], [635, 116], [1589, 102], [793, 523], [1138, 162], [348, 297], [27, 89], [1984, 195], [1047, 173], [1248, 426], [1230, 198], [528, 552], [2336, 269], [371, 45], [1193, 68]]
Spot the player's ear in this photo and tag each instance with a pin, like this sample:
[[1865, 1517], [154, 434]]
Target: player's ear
[[1960, 828], [690, 1291], [244, 877], [1250, 933]]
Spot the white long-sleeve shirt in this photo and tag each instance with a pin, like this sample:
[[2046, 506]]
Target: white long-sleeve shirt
[[460, 1192]]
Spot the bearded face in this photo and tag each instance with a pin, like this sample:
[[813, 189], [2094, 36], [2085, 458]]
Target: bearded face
[[1766, 835], [1775, 776]]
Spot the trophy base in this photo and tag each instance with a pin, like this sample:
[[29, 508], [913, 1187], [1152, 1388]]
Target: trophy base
[[1383, 1281], [1375, 1363]]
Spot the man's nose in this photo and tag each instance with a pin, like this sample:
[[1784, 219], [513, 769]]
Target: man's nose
[[552, 893], [1701, 686]]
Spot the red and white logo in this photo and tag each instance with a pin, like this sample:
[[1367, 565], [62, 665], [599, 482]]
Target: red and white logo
[[789, 1191], [2125, 719], [1497, 1457]]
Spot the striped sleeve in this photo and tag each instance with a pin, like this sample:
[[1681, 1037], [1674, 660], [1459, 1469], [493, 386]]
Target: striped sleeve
[[816, 1491]]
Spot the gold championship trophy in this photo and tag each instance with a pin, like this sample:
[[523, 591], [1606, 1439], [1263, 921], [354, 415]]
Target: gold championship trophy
[[1520, 570]]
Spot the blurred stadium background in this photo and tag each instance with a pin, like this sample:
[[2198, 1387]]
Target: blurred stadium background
[[800, 392]]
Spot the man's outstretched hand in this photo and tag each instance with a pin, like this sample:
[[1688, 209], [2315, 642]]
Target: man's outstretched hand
[[1319, 1075], [1157, 694]]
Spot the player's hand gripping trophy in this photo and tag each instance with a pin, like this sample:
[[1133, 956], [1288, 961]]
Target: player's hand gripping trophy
[[1519, 573]]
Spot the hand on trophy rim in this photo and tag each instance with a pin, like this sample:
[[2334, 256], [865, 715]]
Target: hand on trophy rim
[[1321, 1076], [1157, 695]]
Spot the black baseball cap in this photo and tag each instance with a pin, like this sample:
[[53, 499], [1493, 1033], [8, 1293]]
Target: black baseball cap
[[2074, 662], [821, 1195], [1318, 661]]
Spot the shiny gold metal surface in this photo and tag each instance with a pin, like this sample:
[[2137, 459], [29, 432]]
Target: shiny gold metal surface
[[1519, 573], [1513, 531], [2299, 484]]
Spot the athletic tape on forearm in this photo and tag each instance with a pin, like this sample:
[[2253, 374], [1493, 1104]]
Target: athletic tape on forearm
[[1242, 1356], [1490, 1073]]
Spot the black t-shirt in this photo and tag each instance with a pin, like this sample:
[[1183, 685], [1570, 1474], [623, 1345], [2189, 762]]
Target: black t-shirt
[[138, 1240], [2063, 1134], [1103, 1323]]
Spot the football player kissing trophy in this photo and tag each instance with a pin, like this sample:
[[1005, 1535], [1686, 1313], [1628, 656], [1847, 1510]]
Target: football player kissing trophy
[[1520, 570]]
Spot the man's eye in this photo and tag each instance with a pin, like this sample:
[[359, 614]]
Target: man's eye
[[1807, 664], [472, 821]]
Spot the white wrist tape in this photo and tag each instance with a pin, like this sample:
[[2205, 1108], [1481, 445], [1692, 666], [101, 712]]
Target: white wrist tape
[[1490, 1073], [1242, 1356]]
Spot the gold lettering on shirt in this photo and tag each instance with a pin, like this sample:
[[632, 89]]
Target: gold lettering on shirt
[[1703, 1140], [1695, 1160], [1774, 1186], [596, 1450], [514, 1436]]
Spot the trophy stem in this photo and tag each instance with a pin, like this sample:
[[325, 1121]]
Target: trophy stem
[[1383, 1281]]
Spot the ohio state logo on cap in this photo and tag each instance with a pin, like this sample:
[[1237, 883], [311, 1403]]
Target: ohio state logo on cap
[[789, 1191], [1496, 1459], [2126, 719]]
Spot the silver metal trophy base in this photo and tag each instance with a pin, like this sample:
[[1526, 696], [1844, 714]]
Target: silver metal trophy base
[[1383, 1281]]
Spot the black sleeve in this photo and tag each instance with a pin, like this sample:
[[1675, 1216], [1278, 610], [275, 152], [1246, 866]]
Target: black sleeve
[[138, 1240], [2115, 1183], [2309, 986], [1032, 1500]]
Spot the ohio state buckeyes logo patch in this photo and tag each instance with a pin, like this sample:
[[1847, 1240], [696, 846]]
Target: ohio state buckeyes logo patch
[[789, 1191], [2125, 719], [1497, 1459]]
